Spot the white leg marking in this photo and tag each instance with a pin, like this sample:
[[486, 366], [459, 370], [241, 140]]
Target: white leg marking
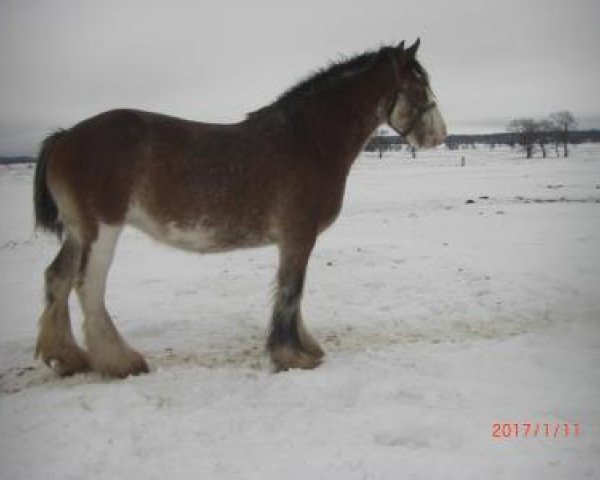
[[109, 353]]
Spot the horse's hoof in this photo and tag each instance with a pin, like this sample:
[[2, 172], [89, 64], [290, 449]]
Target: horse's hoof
[[138, 365], [129, 363], [67, 361], [311, 346], [286, 358]]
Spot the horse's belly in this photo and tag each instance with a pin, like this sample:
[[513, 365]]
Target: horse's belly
[[196, 237]]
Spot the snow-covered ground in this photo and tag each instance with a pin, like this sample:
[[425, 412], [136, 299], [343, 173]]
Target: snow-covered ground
[[440, 319]]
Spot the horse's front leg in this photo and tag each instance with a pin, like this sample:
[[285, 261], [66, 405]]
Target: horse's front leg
[[289, 344]]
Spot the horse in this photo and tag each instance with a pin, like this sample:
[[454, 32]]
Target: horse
[[276, 177]]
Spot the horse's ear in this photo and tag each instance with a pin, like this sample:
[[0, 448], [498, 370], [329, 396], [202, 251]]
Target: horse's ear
[[412, 50], [400, 46]]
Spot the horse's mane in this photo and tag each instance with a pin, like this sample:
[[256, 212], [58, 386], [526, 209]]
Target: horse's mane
[[334, 74]]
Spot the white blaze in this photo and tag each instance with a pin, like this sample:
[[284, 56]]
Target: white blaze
[[431, 122]]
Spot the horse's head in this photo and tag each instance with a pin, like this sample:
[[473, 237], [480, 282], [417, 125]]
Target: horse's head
[[414, 114]]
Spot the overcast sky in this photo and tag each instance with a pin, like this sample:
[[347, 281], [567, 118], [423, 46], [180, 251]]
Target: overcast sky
[[62, 61]]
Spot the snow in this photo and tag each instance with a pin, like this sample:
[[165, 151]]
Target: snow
[[440, 318]]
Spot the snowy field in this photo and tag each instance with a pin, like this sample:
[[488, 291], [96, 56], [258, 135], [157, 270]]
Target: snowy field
[[440, 318]]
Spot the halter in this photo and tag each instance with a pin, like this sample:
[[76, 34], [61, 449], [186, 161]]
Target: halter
[[421, 110]]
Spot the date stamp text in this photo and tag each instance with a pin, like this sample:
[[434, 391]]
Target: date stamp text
[[535, 430]]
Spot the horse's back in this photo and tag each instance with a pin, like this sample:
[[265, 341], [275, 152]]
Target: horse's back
[[123, 165]]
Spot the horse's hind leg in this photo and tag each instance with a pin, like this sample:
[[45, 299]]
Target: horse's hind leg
[[109, 354], [290, 345], [55, 342]]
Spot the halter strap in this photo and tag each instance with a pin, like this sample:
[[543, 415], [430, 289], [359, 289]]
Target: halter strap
[[422, 110]]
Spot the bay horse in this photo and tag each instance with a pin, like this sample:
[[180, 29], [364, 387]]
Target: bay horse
[[277, 177]]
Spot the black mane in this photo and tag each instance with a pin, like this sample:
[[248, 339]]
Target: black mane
[[334, 74]]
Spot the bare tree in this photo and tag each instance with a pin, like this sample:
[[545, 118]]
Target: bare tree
[[545, 132], [564, 122], [525, 131]]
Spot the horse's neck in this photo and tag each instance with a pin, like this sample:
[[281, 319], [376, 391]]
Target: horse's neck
[[343, 121]]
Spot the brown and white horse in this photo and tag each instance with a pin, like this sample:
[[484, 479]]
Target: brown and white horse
[[277, 177]]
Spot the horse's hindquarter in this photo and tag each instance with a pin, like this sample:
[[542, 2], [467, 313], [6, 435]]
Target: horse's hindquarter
[[92, 170]]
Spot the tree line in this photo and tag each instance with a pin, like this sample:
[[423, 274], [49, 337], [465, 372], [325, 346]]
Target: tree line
[[553, 133]]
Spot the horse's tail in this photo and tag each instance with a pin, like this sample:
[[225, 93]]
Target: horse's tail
[[45, 209]]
